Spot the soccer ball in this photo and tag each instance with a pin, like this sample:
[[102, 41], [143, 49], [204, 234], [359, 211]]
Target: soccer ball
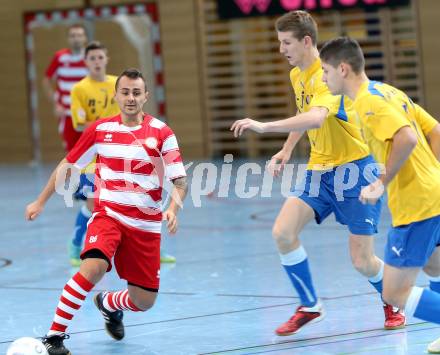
[[27, 346]]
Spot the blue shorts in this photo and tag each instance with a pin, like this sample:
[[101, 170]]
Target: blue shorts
[[411, 245], [86, 187], [337, 191]]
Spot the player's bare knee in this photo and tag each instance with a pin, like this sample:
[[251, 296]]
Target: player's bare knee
[[93, 269], [360, 262], [281, 234], [432, 271], [141, 298], [276, 232], [432, 268], [143, 302], [94, 275], [359, 266], [364, 262], [145, 305]]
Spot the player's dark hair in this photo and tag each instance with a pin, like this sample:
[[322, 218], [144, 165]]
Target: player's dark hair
[[94, 45], [343, 49], [131, 73], [300, 23]]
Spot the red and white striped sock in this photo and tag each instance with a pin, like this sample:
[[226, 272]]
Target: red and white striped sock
[[72, 298], [120, 300]]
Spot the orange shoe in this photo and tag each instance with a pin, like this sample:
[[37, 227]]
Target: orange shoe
[[394, 317], [302, 317]]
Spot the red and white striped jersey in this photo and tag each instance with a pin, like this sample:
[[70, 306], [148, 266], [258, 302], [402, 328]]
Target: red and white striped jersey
[[67, 69], [131, 166]]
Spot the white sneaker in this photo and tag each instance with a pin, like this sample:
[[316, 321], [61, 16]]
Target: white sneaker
[[434, 347]]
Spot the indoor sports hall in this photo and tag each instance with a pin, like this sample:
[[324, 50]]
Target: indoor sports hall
[[206, 63]]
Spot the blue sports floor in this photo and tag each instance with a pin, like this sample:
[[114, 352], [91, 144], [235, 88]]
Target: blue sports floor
[[225, 295]]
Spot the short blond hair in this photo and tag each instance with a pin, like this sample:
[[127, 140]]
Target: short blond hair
[[300, 23]]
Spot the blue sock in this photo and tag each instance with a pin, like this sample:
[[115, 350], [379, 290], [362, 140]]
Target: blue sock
[[81, 225], [434, 283], [423, 304], [376, 280], [297, 267]]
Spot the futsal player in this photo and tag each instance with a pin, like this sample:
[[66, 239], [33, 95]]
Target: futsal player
[[66, 68], [92, 98], [134, 153], [336, 143], [405, 138]]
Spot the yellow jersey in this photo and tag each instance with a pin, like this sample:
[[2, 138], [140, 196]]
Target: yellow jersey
[[92, 100], [339, 140], [414, 193]]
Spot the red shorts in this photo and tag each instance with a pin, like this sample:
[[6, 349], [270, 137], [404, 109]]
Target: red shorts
[[136, 253], [68, 133]]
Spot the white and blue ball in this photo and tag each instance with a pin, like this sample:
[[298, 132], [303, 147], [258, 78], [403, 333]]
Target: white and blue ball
[[27, 346]]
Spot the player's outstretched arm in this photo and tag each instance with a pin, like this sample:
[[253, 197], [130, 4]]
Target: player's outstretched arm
[[35, 208], [301, 122], [314, 118], [280, 159], [177, 196]]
